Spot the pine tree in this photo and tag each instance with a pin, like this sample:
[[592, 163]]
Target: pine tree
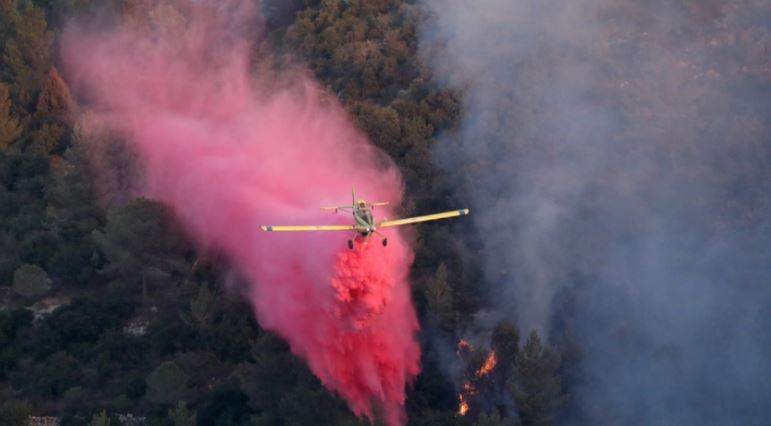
[[55, 100], [536, 389], [202, 306], [181, 416], [72, 215], [439, 297], [14, 412], [167, 384], [53, 116], [505, 343], [492, 418], [132, 256], [72, 209]]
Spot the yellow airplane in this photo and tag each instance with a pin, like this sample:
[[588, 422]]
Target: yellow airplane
[[364, 221]]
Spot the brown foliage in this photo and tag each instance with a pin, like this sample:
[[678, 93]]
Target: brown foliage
[[55, 100], [9, 126], [27, 55]]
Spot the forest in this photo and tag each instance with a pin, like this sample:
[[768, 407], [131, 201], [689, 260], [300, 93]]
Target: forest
[[614, 269]]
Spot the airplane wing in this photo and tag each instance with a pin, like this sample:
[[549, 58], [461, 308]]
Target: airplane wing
[[308, 228], [437, 216]]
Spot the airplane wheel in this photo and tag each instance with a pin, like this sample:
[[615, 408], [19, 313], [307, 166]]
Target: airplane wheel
[[350, 244], [385, 242]]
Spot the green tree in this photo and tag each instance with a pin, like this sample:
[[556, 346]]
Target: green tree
[[30, 281], [37, 247], [202, 306], [536, 389], [439, 298], [72, 215], [75, 399], [505, 343], [23, 179], [14, 413], [10, 324], [167, 384], [181, 416], [131, 254], [226, 405], [72, 209], [492, 418], [362, 48], [53, 376]]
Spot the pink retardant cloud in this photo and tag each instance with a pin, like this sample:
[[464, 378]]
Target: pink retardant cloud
[[227, 152]]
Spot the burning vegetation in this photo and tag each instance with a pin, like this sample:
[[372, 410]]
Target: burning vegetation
[[488, 366], [474, 381], [508, 379]]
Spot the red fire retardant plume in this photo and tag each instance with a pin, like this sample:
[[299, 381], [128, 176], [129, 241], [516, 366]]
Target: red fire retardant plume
[[229, 153]]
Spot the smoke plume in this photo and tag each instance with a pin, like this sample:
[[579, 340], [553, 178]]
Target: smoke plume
[[618, 159], [229, 149]]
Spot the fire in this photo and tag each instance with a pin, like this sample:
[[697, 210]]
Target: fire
[[469, 388], [488, 366], [463, 344], [463, 406]]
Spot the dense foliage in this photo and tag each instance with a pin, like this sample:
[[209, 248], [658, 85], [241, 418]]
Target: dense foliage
[[99, 322]]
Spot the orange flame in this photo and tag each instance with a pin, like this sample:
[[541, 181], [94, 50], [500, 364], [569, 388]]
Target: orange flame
[[463, 406], [469, 388], [488, 366]]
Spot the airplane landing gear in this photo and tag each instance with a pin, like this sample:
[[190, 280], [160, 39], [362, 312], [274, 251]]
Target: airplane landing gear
[[350, 244]]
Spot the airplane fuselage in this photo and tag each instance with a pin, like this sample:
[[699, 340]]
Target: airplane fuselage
[[365, 221]]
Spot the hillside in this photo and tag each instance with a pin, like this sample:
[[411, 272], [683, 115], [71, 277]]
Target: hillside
[[616, 159]]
